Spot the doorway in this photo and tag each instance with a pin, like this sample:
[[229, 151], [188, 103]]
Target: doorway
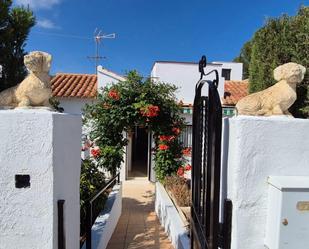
[[139, 153]]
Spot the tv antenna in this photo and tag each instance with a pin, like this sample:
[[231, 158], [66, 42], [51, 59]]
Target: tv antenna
[[98, 37]]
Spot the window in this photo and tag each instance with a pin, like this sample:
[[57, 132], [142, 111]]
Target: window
[[228, 112], [226, 73]]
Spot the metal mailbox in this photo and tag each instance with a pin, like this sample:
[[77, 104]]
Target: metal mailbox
[[288, 212]]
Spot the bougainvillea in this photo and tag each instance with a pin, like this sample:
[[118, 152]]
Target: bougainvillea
[[137, 102]]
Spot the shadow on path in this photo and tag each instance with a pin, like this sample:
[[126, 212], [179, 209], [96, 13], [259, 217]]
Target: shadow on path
[[138, 226]]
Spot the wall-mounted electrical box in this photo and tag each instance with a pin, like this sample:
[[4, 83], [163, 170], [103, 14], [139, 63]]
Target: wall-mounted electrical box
[[288, 212]]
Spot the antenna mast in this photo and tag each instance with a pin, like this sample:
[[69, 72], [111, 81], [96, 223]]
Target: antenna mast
[[98, 37]]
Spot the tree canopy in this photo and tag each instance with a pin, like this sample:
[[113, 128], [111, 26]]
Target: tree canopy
[[280, 40], [15, 25]]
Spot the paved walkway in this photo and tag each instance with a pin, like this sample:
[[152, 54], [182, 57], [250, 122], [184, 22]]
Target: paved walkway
[[139, 227]]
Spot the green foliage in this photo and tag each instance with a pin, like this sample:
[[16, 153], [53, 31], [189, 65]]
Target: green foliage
[[55, 103], [281, 40], [135, 102], [168, 161], [245, 58], [91, 181], [15, 25]]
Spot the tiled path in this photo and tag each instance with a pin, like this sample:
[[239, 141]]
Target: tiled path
[[138, 226]]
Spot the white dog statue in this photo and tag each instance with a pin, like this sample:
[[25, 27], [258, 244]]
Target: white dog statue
[[277, 99], [35, 89]]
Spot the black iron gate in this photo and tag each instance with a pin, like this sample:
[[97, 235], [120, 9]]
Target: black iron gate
[[207, 232]]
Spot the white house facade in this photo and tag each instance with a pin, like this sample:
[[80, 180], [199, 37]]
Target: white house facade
[[185, 75], [74, 91]]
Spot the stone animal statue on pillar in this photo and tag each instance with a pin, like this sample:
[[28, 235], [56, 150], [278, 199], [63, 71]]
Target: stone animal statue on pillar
[[35, 89], [277, 99]]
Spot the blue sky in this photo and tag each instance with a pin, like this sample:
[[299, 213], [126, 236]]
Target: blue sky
[[147, 30]]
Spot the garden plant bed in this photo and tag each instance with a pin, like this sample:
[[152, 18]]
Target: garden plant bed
[[184, 212], [171, 218], [178, 189]]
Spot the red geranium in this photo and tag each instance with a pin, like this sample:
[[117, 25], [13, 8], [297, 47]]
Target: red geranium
[[150, 111], [181, 171], [114, 94], [95, 152], [186, 151], [176, 130], [188, 167], [163, 147]]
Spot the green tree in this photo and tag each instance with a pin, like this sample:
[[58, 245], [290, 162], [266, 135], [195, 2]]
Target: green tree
[[15, 25], [245, 58], [280, 40]]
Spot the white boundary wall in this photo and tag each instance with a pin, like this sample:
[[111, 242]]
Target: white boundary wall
[[105, 224], [260, 147], [170, 219], [46, 146]]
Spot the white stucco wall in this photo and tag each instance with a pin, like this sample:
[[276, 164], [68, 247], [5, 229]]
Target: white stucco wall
[[74, 105], [236, 69], [105, 224], [46, 146], [260, 147], [106, 77], [184, 76], [170, 219]]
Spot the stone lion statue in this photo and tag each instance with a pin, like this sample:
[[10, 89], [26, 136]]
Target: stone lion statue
[[277, 99], [35, 89]]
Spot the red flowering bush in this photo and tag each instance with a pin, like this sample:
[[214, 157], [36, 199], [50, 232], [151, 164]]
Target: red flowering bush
[[150, 111], [176, 130], [113, 94], [186, 151], [95, 152], [181, 171], [188, 167], [163, 138], [139, 102], [163, 147]]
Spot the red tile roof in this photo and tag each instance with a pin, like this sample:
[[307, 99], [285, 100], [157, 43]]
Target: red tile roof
[[74, 85], [234, 91]]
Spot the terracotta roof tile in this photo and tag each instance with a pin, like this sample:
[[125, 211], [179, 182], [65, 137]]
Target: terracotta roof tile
[[74, 85], [234, 91]]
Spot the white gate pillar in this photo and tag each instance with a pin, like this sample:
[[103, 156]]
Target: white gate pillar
[[39, 165]]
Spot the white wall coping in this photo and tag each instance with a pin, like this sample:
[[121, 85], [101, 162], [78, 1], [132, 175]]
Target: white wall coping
[[284, 183], [110, 74]]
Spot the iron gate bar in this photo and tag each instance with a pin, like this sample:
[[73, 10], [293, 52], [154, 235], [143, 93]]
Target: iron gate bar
[[206, 230], [89, 204], [61, 235]]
